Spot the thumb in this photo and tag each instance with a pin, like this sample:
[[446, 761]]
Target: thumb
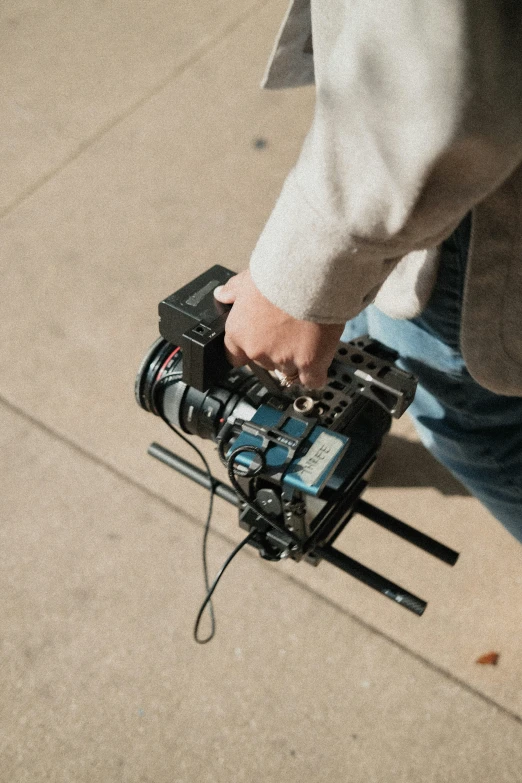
[[225, 293]]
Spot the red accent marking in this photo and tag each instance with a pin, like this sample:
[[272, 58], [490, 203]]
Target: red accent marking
[[167, 360]]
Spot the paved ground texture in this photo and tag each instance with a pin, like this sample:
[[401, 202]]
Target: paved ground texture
[[136, 150]]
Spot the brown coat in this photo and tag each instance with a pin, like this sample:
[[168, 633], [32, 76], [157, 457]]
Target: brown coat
[[418, 120]]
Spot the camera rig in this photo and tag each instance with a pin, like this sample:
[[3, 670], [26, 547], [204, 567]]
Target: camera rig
[[297, 460]]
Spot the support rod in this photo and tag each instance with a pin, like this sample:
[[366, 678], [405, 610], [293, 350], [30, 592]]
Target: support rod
[[372, 579], [192, 472], [403, 530]]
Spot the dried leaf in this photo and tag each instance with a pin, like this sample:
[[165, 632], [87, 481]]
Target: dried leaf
[[490, 658]]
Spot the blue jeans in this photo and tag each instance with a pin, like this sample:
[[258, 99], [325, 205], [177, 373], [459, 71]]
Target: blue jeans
[[475, 433]]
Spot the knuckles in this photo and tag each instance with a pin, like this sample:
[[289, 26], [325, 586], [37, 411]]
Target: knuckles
[[271, 354]]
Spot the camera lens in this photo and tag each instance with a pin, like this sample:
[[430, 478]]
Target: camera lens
[[151, 370], [160, 389]]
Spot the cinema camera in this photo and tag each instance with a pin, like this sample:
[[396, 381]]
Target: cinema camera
[[296, 460]]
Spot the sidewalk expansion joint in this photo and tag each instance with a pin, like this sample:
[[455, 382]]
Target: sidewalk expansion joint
[[115, 121], [98, 461]]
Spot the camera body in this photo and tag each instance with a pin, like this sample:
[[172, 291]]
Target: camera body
[[297, 459], [291, 445]]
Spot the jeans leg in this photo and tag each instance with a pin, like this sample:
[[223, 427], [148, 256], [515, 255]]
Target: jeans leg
[[475, 433]]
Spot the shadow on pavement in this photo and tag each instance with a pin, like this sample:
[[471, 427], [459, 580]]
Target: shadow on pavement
[[404, 463]]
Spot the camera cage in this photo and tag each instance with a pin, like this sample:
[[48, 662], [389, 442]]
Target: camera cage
[[297, 446]]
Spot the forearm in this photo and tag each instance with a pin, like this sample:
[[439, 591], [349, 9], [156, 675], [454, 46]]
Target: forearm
[[418, 118]]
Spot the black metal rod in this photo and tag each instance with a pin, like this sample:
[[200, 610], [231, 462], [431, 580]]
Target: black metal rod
[[192, 472], [403, 530], [372, 579]]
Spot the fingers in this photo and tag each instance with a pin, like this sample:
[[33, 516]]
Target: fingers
[[235, 355], [226, 294], [312, 376], [257, 331], [289, 369], [313, 380], [239, 357]]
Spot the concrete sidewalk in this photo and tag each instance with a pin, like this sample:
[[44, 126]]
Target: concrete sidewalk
[[130, 163]]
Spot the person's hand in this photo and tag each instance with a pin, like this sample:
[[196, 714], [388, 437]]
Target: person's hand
[[258, 331]]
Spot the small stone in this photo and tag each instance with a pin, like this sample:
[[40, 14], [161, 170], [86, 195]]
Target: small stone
[[260, 143]]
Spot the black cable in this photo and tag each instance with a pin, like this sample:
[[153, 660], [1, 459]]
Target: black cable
[[214, 585], [206, 531], [222, 444], [208, 587], [230, 462]]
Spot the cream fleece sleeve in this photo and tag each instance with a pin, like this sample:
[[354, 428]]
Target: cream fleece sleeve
[[418, 117]]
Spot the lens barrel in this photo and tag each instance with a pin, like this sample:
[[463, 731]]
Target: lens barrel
[[148, 373], [160, 389]]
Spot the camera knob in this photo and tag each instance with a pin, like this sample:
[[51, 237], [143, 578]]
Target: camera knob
[[304, 405], [269, 502]]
